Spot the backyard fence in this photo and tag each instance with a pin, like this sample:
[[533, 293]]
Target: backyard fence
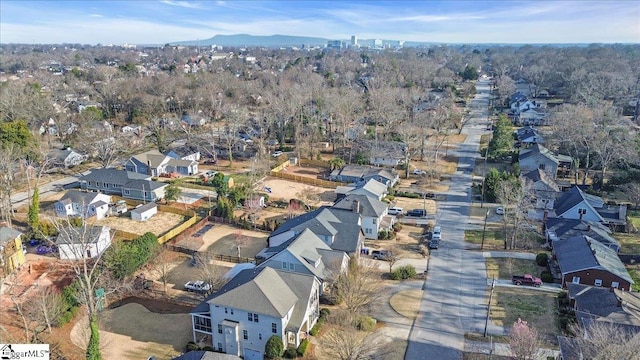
[[307, 180], [233, 259]]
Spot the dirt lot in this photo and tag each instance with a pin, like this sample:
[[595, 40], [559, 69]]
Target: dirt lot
[[408, 204], [309, 171], [158, 224], [223, 239], [287, 190]]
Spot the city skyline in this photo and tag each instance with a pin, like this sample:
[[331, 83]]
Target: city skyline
[[166, 21]]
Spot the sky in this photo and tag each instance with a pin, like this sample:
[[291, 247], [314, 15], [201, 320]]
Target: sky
[[454, 21]]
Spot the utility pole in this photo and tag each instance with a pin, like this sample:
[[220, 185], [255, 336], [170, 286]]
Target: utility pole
[[486, 321], [484, 229]]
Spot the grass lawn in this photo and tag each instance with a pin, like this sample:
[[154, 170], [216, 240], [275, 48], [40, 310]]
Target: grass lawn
[[493, 240], [629, 243], [634, 271], [538, 308], [504, 268], [406, 303]]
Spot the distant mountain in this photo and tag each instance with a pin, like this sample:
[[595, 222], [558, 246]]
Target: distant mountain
[[253, 40]]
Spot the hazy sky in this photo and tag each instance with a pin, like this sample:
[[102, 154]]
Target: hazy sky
[[163, 21]]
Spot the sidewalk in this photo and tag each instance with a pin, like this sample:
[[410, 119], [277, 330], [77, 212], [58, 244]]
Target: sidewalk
[[502, 349]]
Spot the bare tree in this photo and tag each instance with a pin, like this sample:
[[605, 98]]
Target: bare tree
[[359, 286], [46, 306], [523, 340], [345, 342], [602, 340], [632, 192], [161, 265], [210, 272], [515, 198]]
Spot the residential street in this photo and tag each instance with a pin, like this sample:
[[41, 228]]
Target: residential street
[[455, 289], [20, 198]]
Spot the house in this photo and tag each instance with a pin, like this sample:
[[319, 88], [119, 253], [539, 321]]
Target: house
[[205, 355], [583, 260], [528, 135], [560, 228], [576, 204], [387, 153], [544, 189], [67, 158], [188, 120], [539, 157], [11, 254], [83, 204], [306, 254], [363, 173], [183, 153], [123, 183], [144, 212], [155, 163], [523, 105], [372, 211], [83, 242], [620, 307], [339, 229], [371, 188], [256, 304], [531, 117]]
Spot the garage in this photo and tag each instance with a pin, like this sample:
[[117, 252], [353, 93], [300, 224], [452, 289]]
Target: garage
[[250, 354]]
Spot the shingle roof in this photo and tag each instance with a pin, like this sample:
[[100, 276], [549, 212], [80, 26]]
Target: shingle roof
[[154, 158], [301, 285], [567, 228], [368, 206], [113, 176], [538, 175], [537, 149], [583, 252], [205, 355], [145, 207], [7, 233], [596, 301], [144, 185], [79, 197], [82, 235], [260, 290], [573, 197]]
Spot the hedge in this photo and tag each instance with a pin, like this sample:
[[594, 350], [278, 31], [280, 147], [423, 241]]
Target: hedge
[[124, 258], [302, 349]]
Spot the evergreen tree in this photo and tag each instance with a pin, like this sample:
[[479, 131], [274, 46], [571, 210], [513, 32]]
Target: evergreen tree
[[34, 211]]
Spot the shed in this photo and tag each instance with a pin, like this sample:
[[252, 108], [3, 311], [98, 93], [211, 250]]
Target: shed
[[144, 212]]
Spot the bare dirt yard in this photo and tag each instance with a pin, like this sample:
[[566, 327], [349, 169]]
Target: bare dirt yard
[[224, 239], [287, 190], [309, 171], [158, 224]]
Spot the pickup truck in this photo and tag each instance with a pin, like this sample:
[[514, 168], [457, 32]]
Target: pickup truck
[[526, 279], [197, 286]]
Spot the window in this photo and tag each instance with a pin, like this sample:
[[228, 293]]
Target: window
[[582, 211], [90, 183], [219, 329], [250, 316], [255, 317], [541, 166], [203, 324], [576, 280], [274, 328], [367, 230], [220, 347], [127, 192], [375, 221], [226, 311], [231, 311], [615, 284], [259, 336], [598, 282], [292, 266], [245, 334], [284, 265]]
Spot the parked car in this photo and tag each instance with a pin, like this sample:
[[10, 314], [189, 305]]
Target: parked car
[[419, 172], [380, 254], [500, 210], [437, 233], [526, 279], [197, 286], [276, 153], [434, 243], [417, 213], [395, 210]]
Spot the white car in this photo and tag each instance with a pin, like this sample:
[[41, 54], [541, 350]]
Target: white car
[[276, 153], [197, 286], [500, 210], [419, 172], [395, 210]]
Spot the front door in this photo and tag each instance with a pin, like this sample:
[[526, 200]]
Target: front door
[[231, 340]]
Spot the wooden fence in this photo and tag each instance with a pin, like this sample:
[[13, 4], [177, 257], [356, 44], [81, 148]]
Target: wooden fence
[[307, 180], [281, 166], [233, 259], [125, 235]]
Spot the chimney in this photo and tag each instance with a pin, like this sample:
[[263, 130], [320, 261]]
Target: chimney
[[356, 206]]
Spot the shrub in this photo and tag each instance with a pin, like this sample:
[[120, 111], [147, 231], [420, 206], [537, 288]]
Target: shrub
[[324, 313], [124, 258], [542, 259], [191, 346], [365, 323], [546, 276], [208, 348], [302, 349], [404, 272], [291, 353], [93, 347], [397, 227], [385, 235], [67, 316], [274, 348]]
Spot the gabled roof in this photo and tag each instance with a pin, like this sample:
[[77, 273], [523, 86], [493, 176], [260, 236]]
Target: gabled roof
[[363, 172], [528, 134], [7, 233], [267, 291], [537, 150], [206, 355], [144, 185], [370, 187], [630, 302], [343, 226], [153, 158], [113, 176], [82, 235], [573, 197], [592, 300], [181, 151], [145, 207], [368, 206], [583, 252], [539, 176], [180, 162], [79, 197], [564, 228]]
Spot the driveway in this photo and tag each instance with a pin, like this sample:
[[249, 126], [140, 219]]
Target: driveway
[[455, 289]]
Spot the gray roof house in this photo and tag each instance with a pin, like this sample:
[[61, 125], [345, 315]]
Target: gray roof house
[[83, 242], [339, 229], [528, 135], [363, 173], [124, 183], [257, 303], [155, 163], [560, 228], [539, 157], [576, 204], [307, 254], [583, 260], [370, 188], [373, 213], [620, 307], [83, 204], [67, 158], [544, 190]]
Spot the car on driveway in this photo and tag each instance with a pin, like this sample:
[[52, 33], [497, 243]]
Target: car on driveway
[[417, 213], [276, 153], [395, 210], [380, 254], [500, 210], [419, 172], [197, 286], [434, 243]]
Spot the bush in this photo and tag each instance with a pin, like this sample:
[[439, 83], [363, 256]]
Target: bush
[[302, 349], [208, 348], [410, 195], [385, 235], [397, 227], [546, 276], [542, 259], [291, 353], [191, 346], [67, 316], [124, 258], [274, 347], [404, 272], [324, 313], [365, 323], [316, 328]]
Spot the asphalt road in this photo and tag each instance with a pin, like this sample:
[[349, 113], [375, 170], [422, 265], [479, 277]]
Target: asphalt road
[[20, 198], [455, 289]]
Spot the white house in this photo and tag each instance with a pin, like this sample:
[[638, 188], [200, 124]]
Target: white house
[[83, 204], [83, 242], [576, 204], [144, 212], [256, 304], [374, 213], [67, 158]]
